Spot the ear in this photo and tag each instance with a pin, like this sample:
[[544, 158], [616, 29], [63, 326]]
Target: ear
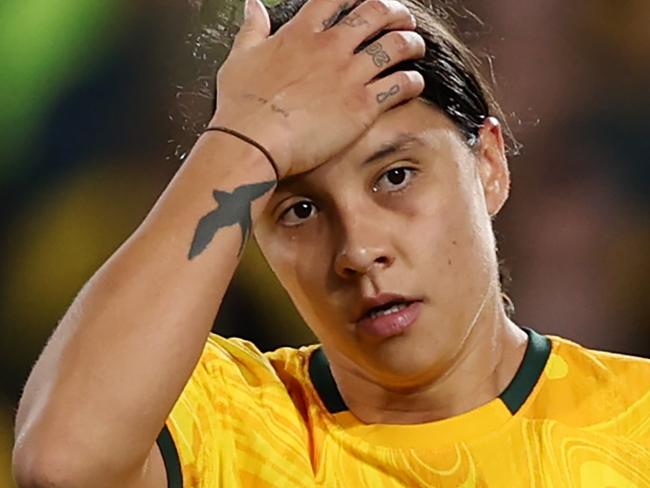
[[493, 166]]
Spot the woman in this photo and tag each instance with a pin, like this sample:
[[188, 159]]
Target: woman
[[361, 146]]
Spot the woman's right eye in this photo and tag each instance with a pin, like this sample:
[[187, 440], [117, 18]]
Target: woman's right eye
[[298, 213]]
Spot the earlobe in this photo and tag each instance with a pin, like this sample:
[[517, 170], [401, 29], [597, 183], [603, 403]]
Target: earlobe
[[493, 166]]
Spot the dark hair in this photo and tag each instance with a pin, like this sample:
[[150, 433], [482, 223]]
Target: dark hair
[[452, 72], [453, 81]]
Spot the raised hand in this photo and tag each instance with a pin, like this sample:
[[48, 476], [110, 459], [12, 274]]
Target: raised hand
[[307, 91]]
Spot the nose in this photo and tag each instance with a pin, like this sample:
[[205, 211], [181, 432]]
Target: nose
[[362, 249]]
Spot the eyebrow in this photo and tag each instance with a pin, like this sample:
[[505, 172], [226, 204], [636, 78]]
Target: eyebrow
[[402, 142]]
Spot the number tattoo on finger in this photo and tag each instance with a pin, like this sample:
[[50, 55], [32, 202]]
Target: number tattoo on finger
[[379, 56], [383, 96]]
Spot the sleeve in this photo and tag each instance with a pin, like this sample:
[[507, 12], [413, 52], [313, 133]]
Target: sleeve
[[197, 442]]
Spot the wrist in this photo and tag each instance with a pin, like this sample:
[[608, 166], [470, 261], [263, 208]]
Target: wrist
[[271, 143], [250, 141], [244, 160]]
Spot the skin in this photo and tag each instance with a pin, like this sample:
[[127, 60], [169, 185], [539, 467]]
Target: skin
[[121, 355], [344, 230]]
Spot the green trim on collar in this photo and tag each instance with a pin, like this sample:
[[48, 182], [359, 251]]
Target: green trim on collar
[[323, 381], [537, 353], [514, 396], [170, 458]]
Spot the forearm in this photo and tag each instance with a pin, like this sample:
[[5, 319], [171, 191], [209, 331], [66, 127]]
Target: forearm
[[121, 355]]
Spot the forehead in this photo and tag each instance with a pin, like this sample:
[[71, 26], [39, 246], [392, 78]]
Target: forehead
[[415, 118], [411, 126]]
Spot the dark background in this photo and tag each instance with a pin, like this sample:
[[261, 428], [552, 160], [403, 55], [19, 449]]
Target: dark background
[[94, 98]]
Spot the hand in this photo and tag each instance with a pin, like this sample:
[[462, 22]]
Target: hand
[[304, 93]]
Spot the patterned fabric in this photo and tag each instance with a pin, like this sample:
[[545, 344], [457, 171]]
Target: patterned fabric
[[248, 419]]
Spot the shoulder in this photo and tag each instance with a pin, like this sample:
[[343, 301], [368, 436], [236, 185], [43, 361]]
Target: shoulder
[[236, 396], [242, 360], [602, 368], [583, 386], [234, 374]]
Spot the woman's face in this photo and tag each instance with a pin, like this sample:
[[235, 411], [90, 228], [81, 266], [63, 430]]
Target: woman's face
[[404, 210]]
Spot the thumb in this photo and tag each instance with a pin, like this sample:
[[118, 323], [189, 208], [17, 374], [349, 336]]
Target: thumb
[[256, 26]]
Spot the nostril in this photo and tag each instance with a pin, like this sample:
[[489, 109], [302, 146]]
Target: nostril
[[360, 261], [352, 271]]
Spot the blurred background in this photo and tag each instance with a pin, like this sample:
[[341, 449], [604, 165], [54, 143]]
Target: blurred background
[[100, 101]]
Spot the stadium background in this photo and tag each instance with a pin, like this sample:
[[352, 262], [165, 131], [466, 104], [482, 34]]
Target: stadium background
[[95, 99]]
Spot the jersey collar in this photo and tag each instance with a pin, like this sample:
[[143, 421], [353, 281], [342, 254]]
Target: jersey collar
[[514, 395]]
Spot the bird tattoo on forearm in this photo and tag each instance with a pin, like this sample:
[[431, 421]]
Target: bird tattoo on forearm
[[234, 209]]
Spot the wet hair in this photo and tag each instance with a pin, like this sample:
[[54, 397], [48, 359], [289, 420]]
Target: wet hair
[[453, 80]]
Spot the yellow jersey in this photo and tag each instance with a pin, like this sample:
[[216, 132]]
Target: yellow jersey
[[571, 417]]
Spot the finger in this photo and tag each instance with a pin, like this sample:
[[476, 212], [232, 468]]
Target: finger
[[390, 49], [395, 89], [320, 15], [371, 17], [403, 22], [256, 25]]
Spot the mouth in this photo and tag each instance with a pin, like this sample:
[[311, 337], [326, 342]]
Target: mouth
[[387, 309], [387, 315]]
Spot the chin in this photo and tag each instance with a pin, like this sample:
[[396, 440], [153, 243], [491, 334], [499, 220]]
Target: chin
[[402, 363]]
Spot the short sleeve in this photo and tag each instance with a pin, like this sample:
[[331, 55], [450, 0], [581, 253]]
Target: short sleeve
[[197, 443]]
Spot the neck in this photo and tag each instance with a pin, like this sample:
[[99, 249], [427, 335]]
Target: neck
[[484, 366]]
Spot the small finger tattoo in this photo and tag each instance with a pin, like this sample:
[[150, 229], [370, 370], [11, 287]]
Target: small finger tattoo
[[379, 56], [330, 21], [383, 96], [354, 20]]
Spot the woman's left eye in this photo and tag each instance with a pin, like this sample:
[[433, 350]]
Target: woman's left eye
[[394, 179]]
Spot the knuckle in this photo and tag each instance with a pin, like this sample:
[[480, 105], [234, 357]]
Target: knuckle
[[328, 43], [402, 41], [329, 37], [405, 79], [411, 43], [382, 7], [410, 81], [402, 11], [356, 99]]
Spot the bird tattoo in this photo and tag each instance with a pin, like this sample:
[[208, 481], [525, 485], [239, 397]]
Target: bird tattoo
[[234, 208]]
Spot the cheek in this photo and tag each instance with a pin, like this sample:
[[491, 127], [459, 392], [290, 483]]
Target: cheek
[[299, 266], [452, 238]]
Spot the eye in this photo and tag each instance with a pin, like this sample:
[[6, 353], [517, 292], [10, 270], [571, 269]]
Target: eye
[[298, 213], [394, 179]]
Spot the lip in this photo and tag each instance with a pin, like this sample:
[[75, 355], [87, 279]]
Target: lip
[[392, 324], [370, 302]]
